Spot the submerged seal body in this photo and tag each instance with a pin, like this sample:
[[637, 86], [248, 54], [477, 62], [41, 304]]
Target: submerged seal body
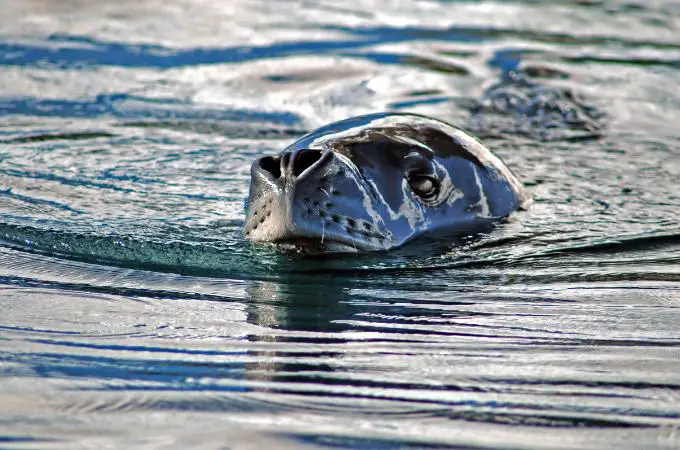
[[375, 182]]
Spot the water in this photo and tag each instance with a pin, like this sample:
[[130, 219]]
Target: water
[[133, 313]]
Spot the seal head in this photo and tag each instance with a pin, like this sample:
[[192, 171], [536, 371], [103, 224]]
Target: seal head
[[375, 182]]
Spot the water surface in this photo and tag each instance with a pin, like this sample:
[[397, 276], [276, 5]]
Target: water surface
[[134, 314]]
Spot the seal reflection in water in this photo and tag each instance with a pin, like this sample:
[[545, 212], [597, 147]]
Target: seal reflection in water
[[375, 182]]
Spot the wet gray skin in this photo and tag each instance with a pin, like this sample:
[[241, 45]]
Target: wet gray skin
[[375, 182]]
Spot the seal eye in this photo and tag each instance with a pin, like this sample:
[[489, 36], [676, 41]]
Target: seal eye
[[424, 186]]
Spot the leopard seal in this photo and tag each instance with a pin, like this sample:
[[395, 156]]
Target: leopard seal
[[376, 182]]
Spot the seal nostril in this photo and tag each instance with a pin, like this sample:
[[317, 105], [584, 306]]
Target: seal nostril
[[304, 159], [271, 165], [351, 223]]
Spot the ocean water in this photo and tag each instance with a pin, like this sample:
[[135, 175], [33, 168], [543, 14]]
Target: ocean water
[[133, 313]]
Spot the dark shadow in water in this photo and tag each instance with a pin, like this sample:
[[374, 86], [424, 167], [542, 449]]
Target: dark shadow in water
[[131, 107], [129, 373], [87, 51], [23, 439], [105, 53], [347, 442], [486, 34], [402, 59]]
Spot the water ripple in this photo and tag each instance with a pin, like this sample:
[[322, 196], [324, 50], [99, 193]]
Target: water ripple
[[133, 309]]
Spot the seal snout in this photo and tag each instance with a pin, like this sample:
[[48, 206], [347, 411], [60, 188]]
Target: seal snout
[[274, 211], [310, 195], [288, 165]]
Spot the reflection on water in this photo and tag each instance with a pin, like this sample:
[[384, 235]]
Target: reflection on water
[[132, 310]]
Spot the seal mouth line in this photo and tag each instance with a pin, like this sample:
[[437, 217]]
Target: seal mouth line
[[326, 237], [307, 242]]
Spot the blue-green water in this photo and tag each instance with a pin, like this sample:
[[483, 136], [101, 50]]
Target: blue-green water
[[133, 314]]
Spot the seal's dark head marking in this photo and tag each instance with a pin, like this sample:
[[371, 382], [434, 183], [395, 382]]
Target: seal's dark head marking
[[374, 182]]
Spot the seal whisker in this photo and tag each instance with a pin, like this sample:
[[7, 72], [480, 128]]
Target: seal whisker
[[354, 244]]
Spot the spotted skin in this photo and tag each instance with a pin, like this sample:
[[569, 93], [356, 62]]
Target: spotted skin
[[357, 185]]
